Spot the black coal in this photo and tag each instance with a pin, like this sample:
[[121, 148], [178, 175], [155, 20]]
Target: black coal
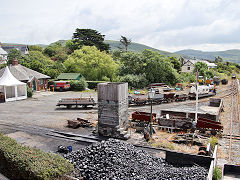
[[115, 159]]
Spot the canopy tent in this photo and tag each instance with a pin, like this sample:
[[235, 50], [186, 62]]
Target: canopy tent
[[11, 88]]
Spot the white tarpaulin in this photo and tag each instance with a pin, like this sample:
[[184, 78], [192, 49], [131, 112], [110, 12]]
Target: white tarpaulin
[[12, 88]]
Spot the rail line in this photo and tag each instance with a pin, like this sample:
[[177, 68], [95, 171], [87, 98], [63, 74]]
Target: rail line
[[234, 120]]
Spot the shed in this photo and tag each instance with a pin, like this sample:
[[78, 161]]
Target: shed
[[69, 76], [11, 89]]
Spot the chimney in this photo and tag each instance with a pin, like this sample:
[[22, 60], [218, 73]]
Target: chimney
[[15, 62]]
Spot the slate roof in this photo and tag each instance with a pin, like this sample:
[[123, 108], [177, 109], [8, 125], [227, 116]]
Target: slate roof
[[194, 61], [20, 47], [23, 73], [69, 76], [2, 51]]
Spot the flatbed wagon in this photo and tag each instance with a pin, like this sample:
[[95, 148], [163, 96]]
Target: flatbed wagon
[[70, 102]]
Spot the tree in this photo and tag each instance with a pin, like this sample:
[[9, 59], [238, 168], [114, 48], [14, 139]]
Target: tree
[[202, 68], [181, 60], [91, 63], [126, 42], [56, 52], [35, 48], [37, 61], [14, 54], [89, 37], [218, 59], [156, 66], [176, 63]]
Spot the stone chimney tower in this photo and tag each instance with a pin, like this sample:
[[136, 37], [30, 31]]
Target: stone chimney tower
[[15, 62]]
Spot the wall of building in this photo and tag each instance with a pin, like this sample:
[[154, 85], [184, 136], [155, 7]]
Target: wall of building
[[185, 68]]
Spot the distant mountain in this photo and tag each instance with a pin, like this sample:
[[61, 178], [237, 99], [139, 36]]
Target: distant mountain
[[232, 55], [137, 47]]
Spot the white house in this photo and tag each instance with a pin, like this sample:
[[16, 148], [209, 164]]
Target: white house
[[188, 65], [5, 49], [3, 55]]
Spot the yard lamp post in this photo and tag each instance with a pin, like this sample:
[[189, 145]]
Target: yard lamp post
[[151, 93]]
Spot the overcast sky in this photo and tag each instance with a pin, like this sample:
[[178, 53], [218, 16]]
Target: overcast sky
[[163, 24]]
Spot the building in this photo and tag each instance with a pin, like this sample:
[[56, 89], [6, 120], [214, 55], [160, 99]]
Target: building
[[35, 80], [6, 48], [188, 65], [69, 76], [3, 55], [21, 47]]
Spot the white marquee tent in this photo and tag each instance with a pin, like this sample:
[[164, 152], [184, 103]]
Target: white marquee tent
[[12, 88]]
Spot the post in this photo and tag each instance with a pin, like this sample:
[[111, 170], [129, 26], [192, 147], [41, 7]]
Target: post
[[196, 114], [150, 97], [151, 121]]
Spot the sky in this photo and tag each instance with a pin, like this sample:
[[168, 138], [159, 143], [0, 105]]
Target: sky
[[170, 25]]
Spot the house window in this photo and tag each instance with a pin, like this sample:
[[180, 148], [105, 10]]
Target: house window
[[188, 68]]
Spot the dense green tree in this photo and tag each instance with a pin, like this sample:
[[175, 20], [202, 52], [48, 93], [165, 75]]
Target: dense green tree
[[35, 48], [201, 67], [176, 63], [91, 63], [56, 52], [181, 60], [125, 42], [218, 59], [156, 66], [135, 81], [14, 54], [89, 37], [37, 61]]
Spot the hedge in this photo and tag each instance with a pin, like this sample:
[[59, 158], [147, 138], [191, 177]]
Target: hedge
[[22, 162], [78, 85], [93, 84]]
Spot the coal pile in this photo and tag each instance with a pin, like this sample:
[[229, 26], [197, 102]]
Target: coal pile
[[115, 159]]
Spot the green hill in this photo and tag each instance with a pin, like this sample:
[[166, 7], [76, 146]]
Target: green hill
[[116, 45], [232, 55]]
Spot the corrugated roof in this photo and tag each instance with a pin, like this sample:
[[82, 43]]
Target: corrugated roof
[[23, 73], [69, 76]]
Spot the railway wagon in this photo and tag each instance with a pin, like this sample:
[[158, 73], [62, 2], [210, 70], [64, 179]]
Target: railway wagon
[[69, 102], [139, 99], [143, 116], [187, 123]]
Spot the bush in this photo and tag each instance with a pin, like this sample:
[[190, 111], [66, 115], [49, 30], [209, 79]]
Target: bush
[[93, 84], [217, 173], [213, 141], [22, 162], [29, 92], [78, 85], [135, 81]]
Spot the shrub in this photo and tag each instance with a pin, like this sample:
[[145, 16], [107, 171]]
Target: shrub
[[29, 92], [93, 84], [135, 81], [22, 162], [213, 141], [78, 85], [217, 173]]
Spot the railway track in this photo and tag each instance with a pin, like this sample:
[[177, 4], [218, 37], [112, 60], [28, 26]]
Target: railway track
[[233, 133]]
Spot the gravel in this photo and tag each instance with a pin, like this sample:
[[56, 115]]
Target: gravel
[[115, 159]]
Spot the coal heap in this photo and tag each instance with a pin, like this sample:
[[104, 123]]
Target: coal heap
[[115, 159]]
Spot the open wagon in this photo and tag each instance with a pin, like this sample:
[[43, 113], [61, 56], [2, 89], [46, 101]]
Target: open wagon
[[69, 102]]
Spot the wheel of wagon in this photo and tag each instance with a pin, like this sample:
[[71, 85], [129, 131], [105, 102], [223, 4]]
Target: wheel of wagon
[[187, 125], [84, 106], [69, 106], [213, 132]]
